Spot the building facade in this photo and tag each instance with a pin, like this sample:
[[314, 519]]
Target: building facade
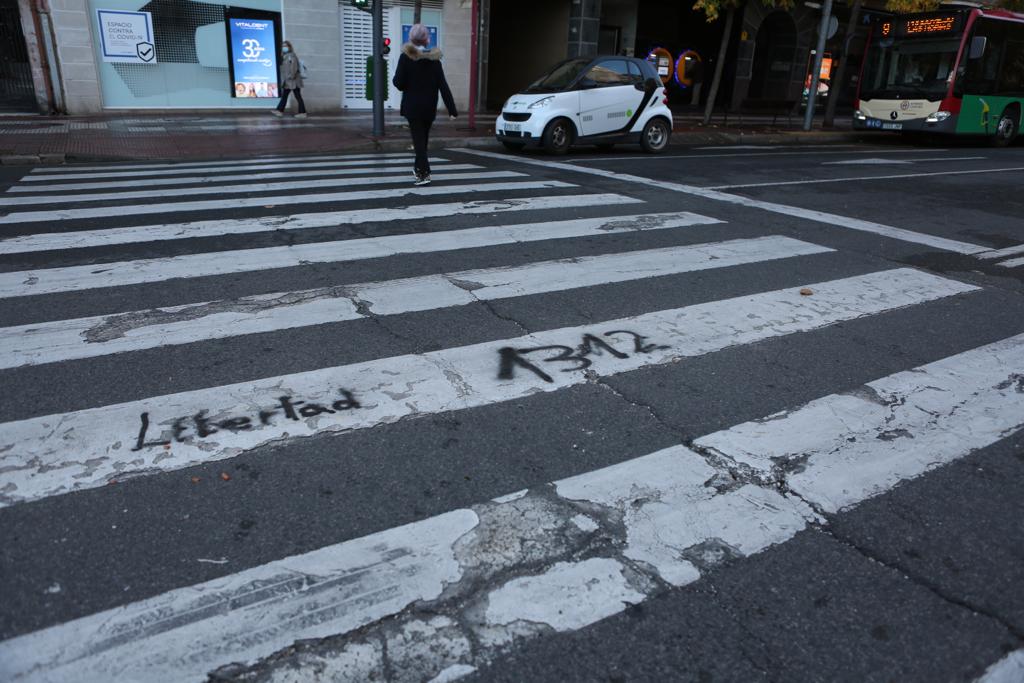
[[92, 56], [110, 55]]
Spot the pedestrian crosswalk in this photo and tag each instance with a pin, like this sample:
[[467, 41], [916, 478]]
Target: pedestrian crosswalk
[[1015, 254], [506, 568]]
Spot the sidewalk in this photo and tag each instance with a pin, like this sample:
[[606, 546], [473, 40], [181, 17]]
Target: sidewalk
[[134, 135]]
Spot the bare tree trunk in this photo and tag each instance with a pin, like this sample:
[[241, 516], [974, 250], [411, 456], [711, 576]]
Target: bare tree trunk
[[417, 11], [719, 65], [839, 81]]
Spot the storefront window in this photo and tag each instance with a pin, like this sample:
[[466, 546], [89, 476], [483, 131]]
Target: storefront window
[[186, 64], [431, 18]]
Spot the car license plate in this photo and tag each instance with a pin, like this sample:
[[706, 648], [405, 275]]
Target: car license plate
[[513, 127], [892, 126]]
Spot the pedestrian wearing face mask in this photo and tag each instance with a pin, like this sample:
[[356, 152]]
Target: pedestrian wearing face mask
[[421, 79], [291, 80]]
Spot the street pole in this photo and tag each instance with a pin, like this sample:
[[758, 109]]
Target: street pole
[[839, 82], [378, 68], [474, 63], [812, 93]]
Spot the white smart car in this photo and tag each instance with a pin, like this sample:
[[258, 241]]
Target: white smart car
[[599, 101]]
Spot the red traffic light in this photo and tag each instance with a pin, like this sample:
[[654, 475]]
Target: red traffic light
[[387, 42]]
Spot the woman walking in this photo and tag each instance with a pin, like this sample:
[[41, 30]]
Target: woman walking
[[291, 80], [421, 79]]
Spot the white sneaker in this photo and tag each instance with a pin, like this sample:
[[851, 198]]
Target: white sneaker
[[425, 180], [276, 113], [300, 116]]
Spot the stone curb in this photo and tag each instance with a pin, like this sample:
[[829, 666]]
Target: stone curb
[[32, 159]]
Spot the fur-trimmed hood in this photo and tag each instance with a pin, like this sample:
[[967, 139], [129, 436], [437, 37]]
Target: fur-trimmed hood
[[414, 53]]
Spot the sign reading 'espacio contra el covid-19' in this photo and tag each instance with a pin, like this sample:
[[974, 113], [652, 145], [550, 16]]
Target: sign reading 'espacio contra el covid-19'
[[126, 36], [253, 57]]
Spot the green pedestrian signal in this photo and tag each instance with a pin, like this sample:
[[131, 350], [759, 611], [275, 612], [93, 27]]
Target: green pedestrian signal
[[370, 76], [363, 5]]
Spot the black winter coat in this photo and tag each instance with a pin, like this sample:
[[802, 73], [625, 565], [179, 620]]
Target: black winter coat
[[420, 78]]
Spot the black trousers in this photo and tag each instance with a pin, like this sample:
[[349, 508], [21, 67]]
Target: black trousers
[[298, 98], [420, 130]]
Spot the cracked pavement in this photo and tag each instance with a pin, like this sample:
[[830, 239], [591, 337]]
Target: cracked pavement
[[697, 512]]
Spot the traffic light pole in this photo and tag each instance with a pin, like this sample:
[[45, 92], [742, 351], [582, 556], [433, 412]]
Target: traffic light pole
[[819, 54], [378, 69]]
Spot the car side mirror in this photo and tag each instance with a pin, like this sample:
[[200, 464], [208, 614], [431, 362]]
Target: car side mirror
[[978, 45]]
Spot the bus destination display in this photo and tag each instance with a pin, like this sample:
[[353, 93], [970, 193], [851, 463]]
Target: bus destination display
[[930, 25]]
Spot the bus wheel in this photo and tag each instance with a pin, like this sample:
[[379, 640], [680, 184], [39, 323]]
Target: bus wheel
[[1007, 128]]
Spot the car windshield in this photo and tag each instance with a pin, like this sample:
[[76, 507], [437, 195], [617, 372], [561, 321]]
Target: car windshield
[[910, 69], [560, 77]]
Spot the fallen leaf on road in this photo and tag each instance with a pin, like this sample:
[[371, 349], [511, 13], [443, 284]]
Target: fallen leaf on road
[[196, 480], [225, 476], [806, 292]]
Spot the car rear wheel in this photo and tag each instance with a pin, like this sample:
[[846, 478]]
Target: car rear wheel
[[654, 138], [1007, 128], [513, 146], [558, 136]]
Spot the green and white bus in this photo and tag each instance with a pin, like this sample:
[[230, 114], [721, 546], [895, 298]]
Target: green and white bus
[[960, 70]]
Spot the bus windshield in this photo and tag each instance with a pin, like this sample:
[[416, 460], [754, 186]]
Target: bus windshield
[[916, 68]]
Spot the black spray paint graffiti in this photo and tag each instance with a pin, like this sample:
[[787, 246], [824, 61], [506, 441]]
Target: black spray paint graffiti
[[592, 345], [200, 426]]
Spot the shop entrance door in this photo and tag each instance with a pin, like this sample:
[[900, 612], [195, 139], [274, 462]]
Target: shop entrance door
[[16, 91]]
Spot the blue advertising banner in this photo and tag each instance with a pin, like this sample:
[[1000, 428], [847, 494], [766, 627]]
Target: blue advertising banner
[[433, 34], [253, 44]]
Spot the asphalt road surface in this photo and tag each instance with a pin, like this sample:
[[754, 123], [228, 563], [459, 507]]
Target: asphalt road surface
[[725, 414]]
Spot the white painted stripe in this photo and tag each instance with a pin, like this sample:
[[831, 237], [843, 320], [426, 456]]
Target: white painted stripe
[[901, 176], [832, 219], [1009, 669], [839, 450], [666, 513], [183, 634], [1012, 263], [51, 215], [662, 157], [81, 239], [174, 170], [62, 340], [227, 163], [872, 161], [1002, 253], [215, 179], [55, 454], [252, 188], [76, 278]]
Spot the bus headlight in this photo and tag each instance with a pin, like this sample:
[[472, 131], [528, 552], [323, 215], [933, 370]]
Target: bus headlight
[[938, 116], [859, 115]]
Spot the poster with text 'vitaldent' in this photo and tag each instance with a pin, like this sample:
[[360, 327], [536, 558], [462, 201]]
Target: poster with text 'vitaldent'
[[253, 57]]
